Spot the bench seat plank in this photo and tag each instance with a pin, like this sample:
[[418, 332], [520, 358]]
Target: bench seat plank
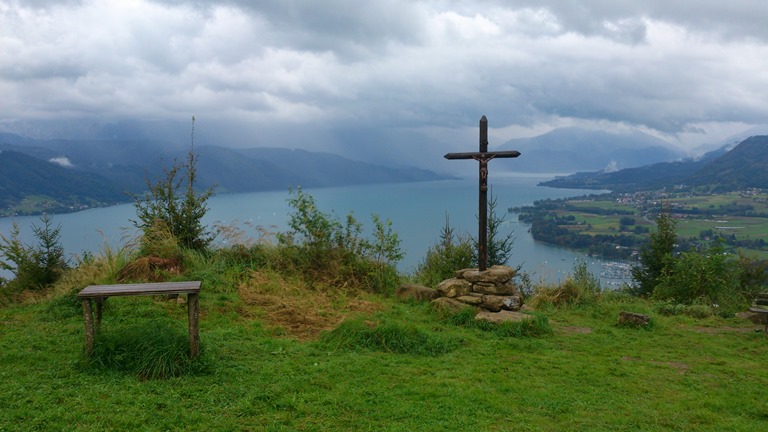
[[96, 291]]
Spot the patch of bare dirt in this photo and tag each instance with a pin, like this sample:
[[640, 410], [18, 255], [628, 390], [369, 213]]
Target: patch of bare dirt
[[680, 367], [577, 330], [301, 312], [719, 330]]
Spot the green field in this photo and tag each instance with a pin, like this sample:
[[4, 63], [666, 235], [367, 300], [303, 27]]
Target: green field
[[689, 226]]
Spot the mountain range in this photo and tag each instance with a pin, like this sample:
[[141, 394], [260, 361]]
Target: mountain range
[[64, 175], [571, 149], [729, 168]]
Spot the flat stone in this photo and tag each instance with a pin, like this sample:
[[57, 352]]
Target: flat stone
[[496, 303], [633, 318], [415, 292], [454, 288], [470, 299], [449, 305], [503, 316], [494, 289], [459, 274], [495, 275]]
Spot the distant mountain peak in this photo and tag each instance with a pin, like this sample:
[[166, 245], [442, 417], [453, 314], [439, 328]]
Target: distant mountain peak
[[573, 149]]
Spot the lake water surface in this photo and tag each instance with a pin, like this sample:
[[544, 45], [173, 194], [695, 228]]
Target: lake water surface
[[417, 211]]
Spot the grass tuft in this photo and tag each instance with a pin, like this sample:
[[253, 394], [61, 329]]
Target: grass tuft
[[356, 335], [151, 351], [536, 327]]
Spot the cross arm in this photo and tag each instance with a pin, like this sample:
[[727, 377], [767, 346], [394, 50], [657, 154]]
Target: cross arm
[[483, 155]]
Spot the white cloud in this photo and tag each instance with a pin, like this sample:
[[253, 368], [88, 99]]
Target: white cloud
[[61, 161]]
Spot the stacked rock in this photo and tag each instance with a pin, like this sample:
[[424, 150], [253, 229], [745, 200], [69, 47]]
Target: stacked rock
[[491, 289]]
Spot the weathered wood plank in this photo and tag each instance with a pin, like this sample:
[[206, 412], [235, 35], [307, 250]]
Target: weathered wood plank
[[89, 330], [193, 311], [96, 291]]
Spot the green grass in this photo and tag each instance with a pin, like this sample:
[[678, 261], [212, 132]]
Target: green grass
[[742, 227], [402, 368]]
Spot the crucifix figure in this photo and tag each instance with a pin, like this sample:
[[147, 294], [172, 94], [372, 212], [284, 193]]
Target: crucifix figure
[[483, 156]]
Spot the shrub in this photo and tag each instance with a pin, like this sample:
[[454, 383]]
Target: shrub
[[669, 308], [323, 249], [34, 267], [709, 278], [582, 287], [452, 252], [753, 275], [164, 207]]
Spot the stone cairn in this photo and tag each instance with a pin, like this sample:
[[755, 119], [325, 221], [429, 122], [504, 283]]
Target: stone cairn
[[491, 291]]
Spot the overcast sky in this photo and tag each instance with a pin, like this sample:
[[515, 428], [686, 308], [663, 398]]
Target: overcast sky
[[313, 73]]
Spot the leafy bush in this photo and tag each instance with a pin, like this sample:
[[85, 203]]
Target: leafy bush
[[753, 275], [709, 278], [323, 249]]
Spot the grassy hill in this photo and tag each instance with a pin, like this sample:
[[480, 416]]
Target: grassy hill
[[279, 355]]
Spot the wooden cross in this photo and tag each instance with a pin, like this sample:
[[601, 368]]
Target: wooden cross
[[483, 156]]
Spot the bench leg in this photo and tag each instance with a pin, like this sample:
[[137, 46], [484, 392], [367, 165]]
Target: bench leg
[[89, 328], [99, 306], [193, 310]]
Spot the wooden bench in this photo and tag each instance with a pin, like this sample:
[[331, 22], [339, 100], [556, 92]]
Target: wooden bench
[[99, 293], [760, 307]]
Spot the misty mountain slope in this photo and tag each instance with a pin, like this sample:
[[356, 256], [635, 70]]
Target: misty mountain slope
[[22, 175], [234, 171], [101, 171], [653, 176], [317, 169], [744, 166], [574, 149]]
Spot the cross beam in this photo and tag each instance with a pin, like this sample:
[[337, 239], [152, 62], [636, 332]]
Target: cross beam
[[483, 156]]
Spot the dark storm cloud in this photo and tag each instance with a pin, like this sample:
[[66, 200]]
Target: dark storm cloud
[[670, 68]]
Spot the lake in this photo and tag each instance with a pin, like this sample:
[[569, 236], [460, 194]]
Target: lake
[[417, 212]]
